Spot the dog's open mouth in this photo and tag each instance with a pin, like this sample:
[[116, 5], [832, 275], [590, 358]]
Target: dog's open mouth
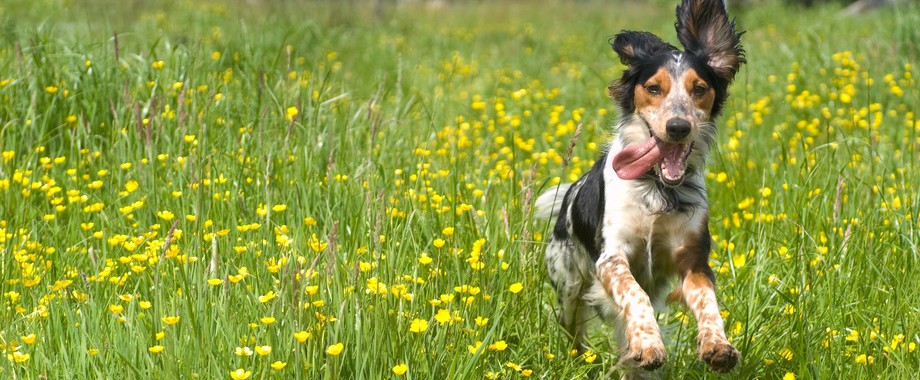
[[637, 159]]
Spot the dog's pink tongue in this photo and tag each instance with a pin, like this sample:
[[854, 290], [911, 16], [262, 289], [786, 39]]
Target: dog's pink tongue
[[637, 159]]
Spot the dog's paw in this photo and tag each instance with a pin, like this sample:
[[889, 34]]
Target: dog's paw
[[649, 356], [721, 357]]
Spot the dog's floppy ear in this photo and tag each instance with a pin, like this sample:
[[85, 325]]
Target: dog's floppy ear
[[634, 47], [704, 29]]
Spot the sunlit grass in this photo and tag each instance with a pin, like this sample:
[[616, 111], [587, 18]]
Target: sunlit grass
[[254, 191]]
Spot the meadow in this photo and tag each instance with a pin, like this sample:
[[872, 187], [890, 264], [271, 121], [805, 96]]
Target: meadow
[[208, 189]]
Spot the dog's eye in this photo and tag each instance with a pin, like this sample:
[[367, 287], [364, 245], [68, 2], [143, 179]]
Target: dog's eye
[[699, 90], [653, 89]]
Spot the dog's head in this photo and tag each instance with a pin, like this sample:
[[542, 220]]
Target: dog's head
[[674, 95]]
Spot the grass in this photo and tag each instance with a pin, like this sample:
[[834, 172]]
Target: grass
[[325, 191]]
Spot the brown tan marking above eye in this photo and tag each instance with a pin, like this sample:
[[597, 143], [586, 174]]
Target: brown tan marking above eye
[[703, 95], [649, 94]]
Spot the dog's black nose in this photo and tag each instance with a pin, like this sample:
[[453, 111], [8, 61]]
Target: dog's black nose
[[677, 129]]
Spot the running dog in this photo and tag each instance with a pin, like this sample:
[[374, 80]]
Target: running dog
[[640, 216]]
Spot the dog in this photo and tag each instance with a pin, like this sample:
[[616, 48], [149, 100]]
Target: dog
[[639, 218]]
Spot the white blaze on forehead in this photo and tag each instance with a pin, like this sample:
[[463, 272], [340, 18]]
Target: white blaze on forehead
[[678, 57], [678, 66]]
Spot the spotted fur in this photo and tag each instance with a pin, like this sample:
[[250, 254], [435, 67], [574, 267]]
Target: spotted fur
[[617, 244]]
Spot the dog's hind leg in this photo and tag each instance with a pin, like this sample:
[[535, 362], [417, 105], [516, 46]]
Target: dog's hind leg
[[570, 287]]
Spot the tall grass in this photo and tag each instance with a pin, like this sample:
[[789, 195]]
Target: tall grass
[[329, 191]]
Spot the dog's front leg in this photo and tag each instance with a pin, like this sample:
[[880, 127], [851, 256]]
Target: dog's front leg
[[641, 334], [698, 290]]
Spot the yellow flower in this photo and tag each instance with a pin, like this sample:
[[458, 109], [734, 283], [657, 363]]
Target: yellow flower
[[472, 348], [18, 357], [418, 325], [290, 113], [156, 66], [498, 346], [267, 297], [145, 304], [240, 374], [739, 260], [442, 316], [170, 320], [590, 356], [279, 208], [316, 245], [263, 350], [267, 320], [283, 240], [243, 351], [302, 336], [335, 349], [400, 369], [438, 242], [165, 215], [853, 336], [215, 281], [864, 359], [115, 309], [789, 376], [155, 349], [447, 231], [28, 339], [516, 287], [278, 365], [424, 259], [786, 353]]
